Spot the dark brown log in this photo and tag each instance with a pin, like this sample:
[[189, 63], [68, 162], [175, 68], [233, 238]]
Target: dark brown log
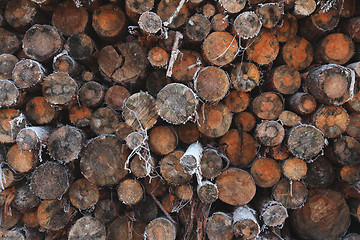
[[320, 174], [273, 213], [298, 53], [59, 88], [219, 22], [197, 28], [123, 130], [288, 28], [157, 186], [21, 161], [186, 65], [302, 103], [160, 229], [7, 64], [134, 8], [173, 13], [106, 210], [188, 133], [149, 22], [270, 133], [172, 170], [147, 210], [219, 226], [65, 143], [9, 42], [245, 121], [162, 140], [285, 79], [247, 25], [347, 150], [325, 215], [211, 164], [351, 28], [289, 119], [120, 229], [25, 200], [291, 194], [158, 57], [64, 63], [116, 96], [245, 224], [52, 214], [232, 6], [263, 48], [332, 121], [11, 122], [91, 94], [220, 48], [104, 121], [70, 19], [353, 128], [9, 93], [83, 194], [155, 81], [268, 106], [87, 228], [87, 76], [80, 46], [39, 111], [42, 42], [80, 116], [236, 186], [269, 14], [207, 192], [27, 73], [50, 181], [305, 141], [21, 14], [266, 172], [176, 103], [294, 168]]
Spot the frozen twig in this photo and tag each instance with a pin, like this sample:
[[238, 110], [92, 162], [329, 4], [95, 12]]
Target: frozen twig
[[174, 53]]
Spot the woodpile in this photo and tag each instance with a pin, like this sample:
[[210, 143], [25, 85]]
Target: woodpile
[[179, 119]]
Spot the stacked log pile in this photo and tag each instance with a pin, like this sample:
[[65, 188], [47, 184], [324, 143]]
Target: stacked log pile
[[179, 119]]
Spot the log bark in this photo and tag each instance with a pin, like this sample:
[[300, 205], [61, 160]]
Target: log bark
[[245, 224]]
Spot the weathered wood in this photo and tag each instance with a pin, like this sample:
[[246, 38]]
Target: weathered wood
[[104, 121], [273, 213], [25, 200], [59, 88], [270, 133], [219, 22], [207, 192], [208, 10], [10, 218], [332, 121], [237, 101], [106, 210], [303, 8], [294, 168], [279, 152], [134, 8], [232, 6], [245, 224], [335, 48], [149, 22], [160, 229], [121, 228], [130, 192], [247, 25], [158, 57], [197, 28], [83, 194], [188, 133], [21, 14], [173, 13], [27, 73], [351, 28], [298, 53], [269, 14], [268, 105], [353, 126], [186, 65], [39, 111], [266, 172], [7, 64], [219, 226], [9, 93], [288, 28], [285, 79], [80, 46], [12, 121], [347, 150], [291, 194], [64, 63], [320, 173], [91, 94], [211, 164], [172, 170], [9, 42], [80, 116], [289, 119], [245, 121], [302, 103], [87, 228]]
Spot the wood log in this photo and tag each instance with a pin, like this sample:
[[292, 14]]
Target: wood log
[[91, 94], [305, 141], [21, 161], [42, 42], [13, 234], [211, 164], [106, 210], [7, 64], [232, 6], [320, 173], [288, 28], [135, 8], [219, 226], [184, 192], [9, 93], [350, 174], [247, 25], [64, 63], [7, 178], [59, 88], [270, 133], [80, 116], [302, 103], [83, 194], [353, 126], [9, 219], [294, 168], [279, 152], [173, 13], [207, 192], [336, 48], [245, 224], [219, 22], [235, 186], [158, 57], [332, 121], [149, 22], [104, 121], [303, 8], [269, 14], [291, 194], [163, 140], [52, 215], [87, 228], [208, 10], [172, 170], [263, 48], [30, 219], [40, 111], [70, 19], [130, 192], [186, 66], [268, 105], [351, 28], [25, 200], [197, 28], [140, 167], [27, 73], [245, 121], [273, 213], [147, 210], [121, 228], [106, 167], [12, 121], [160, 229], [21, 14], [116, 96], [237, 101], [289, 119], [285, 79], [188, 133], [80, 47], [123, 130], [266, 172], [9, 42], [325, 215], [50, 181], [298, 53], [347, 150]]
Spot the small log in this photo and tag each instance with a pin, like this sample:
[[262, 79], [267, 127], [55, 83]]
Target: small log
[[65, 143], [59, 88], [140, 167], [219, 22], [347, 150], [197, 28], [188, 133], [176, 103], [104, 121], [162, 140], [232, 6], [7, 64], [149, 22], [64, 63], [266, 172], [288, 28], [207, 192], [245, 121], [263, 48], [106, 210], [235, 186], [219, 226], [80, 116], [106, 167], [50, 181], [9, 93], [123, 130], [291, 194], [87, 76], [289, 119], [70, 19], [332, 121], [184, 192], [335, 48], [247, 25], [21, 161], [80, 47], [109, 22], [160, 229], [42, 42], [130, 192], [353, 128], [172, 170], [245, 76], [87, 228], [325, 215], [320, 174], [298, 53], [279, 152], [208, 10], [52, 215], [30, 219], [91, 94], [304, 8], [273, 213], [120, 229], [27, 73], [173, 13], [237, 101], [25, 200], [245, 224], [186, 66], [9, 219], [21, 14], [12, 234], [305, 141], [268, 105], [285, 79], [211, 84], [351, 28], [211, 164], [302, 103], [9, 42], [116, 96], [11, 122], [220, 48], [270, 133], [294, 168], [139, 111], [39, 111], [7, 178], [269, 14], [135, 8], [83, 194], [158, 57]]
